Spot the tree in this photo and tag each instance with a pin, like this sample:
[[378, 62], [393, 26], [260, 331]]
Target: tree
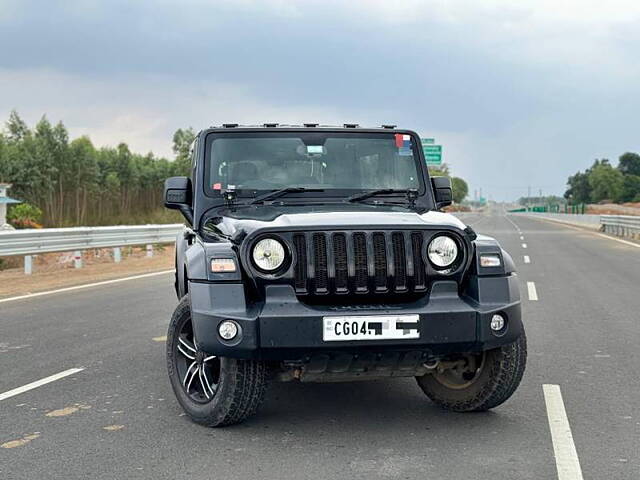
[[441, 170], [629, 164], [17, 129], [579, 190], [630, 188], [83, 173], [182, 140], [460, 189], [605, 181]]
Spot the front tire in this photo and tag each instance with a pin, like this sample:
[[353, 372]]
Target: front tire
[[213, 391], [480, 382]]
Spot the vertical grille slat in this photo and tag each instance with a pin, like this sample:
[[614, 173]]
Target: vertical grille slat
[[300, 269], [399, 258], [380, 262], [341, 263], [360, 255], [361, 262], [419, 280], [320, 263]]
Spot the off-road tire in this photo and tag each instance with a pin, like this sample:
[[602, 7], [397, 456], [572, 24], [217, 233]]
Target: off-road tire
[[496, 382], [241, 388]]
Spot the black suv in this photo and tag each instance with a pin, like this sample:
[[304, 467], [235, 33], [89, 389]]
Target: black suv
[[318, 253]]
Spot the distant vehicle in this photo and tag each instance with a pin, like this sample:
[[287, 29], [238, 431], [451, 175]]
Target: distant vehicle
[[318, 254]]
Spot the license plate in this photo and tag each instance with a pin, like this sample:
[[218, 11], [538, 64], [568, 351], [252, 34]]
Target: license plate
[[371, 327]]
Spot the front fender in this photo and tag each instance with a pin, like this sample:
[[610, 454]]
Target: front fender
[[198, 258], [180, 277]]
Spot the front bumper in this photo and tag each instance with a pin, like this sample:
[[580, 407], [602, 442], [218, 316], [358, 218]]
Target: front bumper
[[283, 328]]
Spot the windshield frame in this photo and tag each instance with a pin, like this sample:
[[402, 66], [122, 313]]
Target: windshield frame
[[330, 193]]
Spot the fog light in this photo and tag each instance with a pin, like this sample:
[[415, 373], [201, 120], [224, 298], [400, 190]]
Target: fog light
[[497, 322], [228, 329]]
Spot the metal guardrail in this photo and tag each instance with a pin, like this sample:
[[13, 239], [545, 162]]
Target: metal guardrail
[[621, 225], [46, 240]]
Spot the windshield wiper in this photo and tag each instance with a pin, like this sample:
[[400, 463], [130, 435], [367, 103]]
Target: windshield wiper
[[411, 194], [282, 192]]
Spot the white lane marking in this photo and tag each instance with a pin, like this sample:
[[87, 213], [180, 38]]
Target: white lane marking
[[524, 245], [533, 293], [585, 230], [474, 223], [87, 285], [626, 242], [38, 383], [521, 237], [513, 223], [564, 449], [527, 259]]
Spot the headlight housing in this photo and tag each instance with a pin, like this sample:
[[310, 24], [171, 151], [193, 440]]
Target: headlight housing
[[442, 251], [268, 254]]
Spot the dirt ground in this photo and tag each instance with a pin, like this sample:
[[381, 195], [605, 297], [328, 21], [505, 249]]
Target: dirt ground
[[614, 209], [56, 270]]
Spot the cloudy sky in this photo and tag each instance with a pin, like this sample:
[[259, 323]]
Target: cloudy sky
[[518, 93]]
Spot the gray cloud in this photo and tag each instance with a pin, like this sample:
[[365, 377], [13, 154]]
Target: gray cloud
[[517, 95]]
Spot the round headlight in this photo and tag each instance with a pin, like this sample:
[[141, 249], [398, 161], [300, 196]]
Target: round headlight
[[442, 251], [268, 254]]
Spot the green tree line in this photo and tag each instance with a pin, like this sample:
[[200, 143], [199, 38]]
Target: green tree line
[[603, 181], [74, 183]]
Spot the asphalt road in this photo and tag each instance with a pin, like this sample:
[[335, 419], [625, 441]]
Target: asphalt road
[[584, 333]]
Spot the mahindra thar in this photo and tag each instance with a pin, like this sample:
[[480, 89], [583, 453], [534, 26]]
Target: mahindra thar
[[320, 254]]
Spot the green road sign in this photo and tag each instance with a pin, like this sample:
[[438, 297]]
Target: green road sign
[[433, 154], [428, 141]]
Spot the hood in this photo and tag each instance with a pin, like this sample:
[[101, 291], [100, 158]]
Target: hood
[[236, 222]]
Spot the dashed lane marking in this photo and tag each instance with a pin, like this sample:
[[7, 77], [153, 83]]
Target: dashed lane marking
[[521, 237], [21, 441], [527, 259], [513, 223], [524, 245], [87, 285], [533, 294], [567, 462], [474, 223], [163, 338], [113, 428], [38, 383]]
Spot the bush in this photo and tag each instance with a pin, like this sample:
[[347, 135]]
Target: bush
[[24, 215]]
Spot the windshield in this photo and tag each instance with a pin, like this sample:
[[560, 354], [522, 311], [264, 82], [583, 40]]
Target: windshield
[[332, 162]]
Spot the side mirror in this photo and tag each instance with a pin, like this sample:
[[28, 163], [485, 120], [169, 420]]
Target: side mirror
[[442, 191], [177, 196]]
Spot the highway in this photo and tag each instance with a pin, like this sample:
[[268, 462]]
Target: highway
[[117, 417]]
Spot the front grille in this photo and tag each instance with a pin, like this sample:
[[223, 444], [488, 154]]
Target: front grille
[[359, 262]]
